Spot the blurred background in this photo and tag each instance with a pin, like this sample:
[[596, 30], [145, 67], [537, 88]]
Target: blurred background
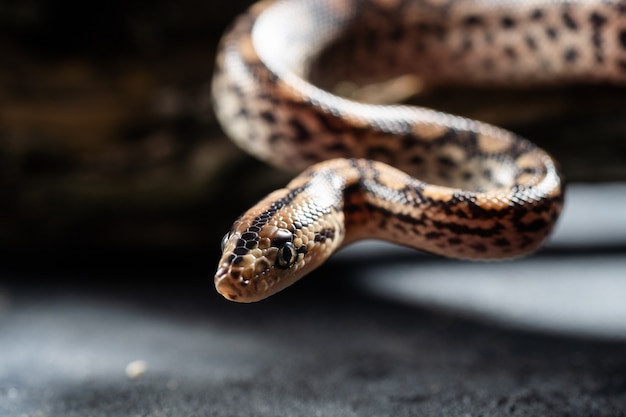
[[109, 150]]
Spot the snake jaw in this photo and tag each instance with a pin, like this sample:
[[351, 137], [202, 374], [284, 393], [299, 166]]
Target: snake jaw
[[224, 284]]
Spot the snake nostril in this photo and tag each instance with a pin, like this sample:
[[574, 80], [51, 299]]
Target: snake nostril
[[224, 288]]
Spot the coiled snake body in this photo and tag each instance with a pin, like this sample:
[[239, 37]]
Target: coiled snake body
[[413, 176]]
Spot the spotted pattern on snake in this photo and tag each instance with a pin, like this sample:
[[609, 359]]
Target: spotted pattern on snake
[[414, 176]]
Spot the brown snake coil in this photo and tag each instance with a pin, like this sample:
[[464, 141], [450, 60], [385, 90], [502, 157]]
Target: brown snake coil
[[409, 175]]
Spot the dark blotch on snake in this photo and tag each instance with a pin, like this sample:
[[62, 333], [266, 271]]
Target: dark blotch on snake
[[570, 23], [571, 55], [622, 38], [537, 14], [508, 22], [282, 236]]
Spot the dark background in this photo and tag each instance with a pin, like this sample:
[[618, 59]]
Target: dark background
[[108, 143]]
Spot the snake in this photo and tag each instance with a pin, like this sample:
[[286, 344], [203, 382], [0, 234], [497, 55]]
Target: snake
[[410, 175]]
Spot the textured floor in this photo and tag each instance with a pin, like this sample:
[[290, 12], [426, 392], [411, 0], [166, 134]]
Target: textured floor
[[327, 347]]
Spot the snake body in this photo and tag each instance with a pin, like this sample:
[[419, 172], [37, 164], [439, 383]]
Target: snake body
[[417, 177]]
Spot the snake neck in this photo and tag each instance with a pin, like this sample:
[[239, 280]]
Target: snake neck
[[382, 202]]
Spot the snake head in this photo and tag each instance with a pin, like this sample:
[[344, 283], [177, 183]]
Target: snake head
[[272, 245]]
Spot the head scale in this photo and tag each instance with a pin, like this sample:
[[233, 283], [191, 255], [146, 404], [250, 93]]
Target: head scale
[[274, 244]]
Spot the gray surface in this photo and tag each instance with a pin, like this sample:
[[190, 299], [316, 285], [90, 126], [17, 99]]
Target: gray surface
[[326, 347], [582, 296], [578, 288], [64, 355]]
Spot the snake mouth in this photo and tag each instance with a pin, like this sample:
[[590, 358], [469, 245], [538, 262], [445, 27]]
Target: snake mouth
[[225, 284], [229, 296], [240, 285]]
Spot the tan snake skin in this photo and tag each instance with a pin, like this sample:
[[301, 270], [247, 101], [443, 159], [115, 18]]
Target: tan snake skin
[[413, 176]]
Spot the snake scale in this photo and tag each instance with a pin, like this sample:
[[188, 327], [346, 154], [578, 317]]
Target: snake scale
[[410, 175]]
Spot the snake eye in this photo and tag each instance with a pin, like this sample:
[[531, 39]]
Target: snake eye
[[287, 255], [224, 240]]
